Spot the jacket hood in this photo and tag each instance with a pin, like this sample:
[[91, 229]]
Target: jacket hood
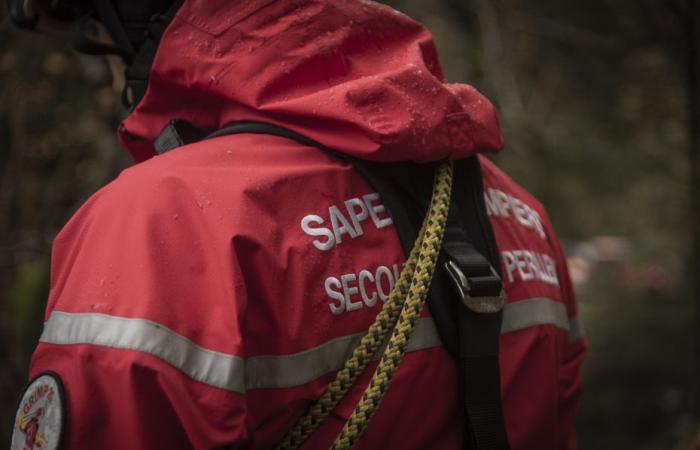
[[356, 76]]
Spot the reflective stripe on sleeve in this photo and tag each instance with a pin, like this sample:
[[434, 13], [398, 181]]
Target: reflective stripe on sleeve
[[236, 374], [533, 312], [213, 368], [216, 369], [540, 311], [279, 371]]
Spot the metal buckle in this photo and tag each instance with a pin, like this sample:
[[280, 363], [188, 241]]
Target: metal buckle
[[482, 305]]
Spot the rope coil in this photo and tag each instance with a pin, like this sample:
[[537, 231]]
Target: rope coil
[[398, 317]]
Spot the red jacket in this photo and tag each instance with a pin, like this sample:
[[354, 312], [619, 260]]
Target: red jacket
[[205, 297]]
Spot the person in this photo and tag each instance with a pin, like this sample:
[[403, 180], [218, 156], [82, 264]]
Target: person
[[207, 296]]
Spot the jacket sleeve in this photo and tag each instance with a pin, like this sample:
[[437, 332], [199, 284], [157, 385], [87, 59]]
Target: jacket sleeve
[[572, 357], [142, 324]]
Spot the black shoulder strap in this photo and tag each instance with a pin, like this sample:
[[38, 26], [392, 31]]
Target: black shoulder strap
[[469, 250], [478, 332], [470, 258]]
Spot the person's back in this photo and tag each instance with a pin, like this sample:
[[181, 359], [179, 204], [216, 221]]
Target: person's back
[[207, 296]]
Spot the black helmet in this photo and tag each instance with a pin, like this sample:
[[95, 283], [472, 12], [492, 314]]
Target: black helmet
[[135, 27]]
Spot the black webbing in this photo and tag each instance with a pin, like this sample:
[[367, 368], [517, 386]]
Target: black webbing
[[479, 333], [177, 133], [470, 337]]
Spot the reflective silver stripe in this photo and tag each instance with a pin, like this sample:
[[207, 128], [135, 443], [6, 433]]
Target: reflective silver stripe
[[533, 312], [210, 367], [540, 311], [236, 374], [216, 369], [278, 371]]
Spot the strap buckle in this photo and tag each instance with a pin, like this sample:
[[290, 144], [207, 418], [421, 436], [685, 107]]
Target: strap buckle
[[486, 304]]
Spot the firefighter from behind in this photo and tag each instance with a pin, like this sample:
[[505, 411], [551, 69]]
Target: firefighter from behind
[[310, 251]]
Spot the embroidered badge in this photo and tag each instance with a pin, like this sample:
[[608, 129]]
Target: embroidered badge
[[41, 415]]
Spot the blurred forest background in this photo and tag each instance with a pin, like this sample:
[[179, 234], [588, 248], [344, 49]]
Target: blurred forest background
[[600, 102]]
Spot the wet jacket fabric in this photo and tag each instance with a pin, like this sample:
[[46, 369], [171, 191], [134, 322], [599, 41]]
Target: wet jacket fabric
[[205, 297]]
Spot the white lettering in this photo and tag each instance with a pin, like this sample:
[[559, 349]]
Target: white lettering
[[550, 269], [491, 208], [530, 266], [367, 275], [356, 209], [499, 204], [340, 224], [504, 203], [518, 209], [349, 291], [383, 270], [532, 262], [509, 262], [374, 210], [322, 231], [371, 285], [355, 216], [521, 261], [340, 307]]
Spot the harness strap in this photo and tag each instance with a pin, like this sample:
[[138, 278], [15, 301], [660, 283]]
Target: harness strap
[[469, 244], [478, 332]]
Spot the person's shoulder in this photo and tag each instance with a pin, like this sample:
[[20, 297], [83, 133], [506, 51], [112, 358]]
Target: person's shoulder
[[198, 184], [147, 196], [496, 178], [154, 244], [506, 199], [180, 180], [165, 176], [231, 164], [526, 238]]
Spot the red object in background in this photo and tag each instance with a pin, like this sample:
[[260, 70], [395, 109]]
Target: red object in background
[[189, 306]]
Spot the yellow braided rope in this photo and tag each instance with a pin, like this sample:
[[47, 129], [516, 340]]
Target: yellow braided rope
[[403, 305], [358, 360], [392, 356]]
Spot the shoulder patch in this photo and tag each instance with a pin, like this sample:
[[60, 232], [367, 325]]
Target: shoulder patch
[[41, 414]]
